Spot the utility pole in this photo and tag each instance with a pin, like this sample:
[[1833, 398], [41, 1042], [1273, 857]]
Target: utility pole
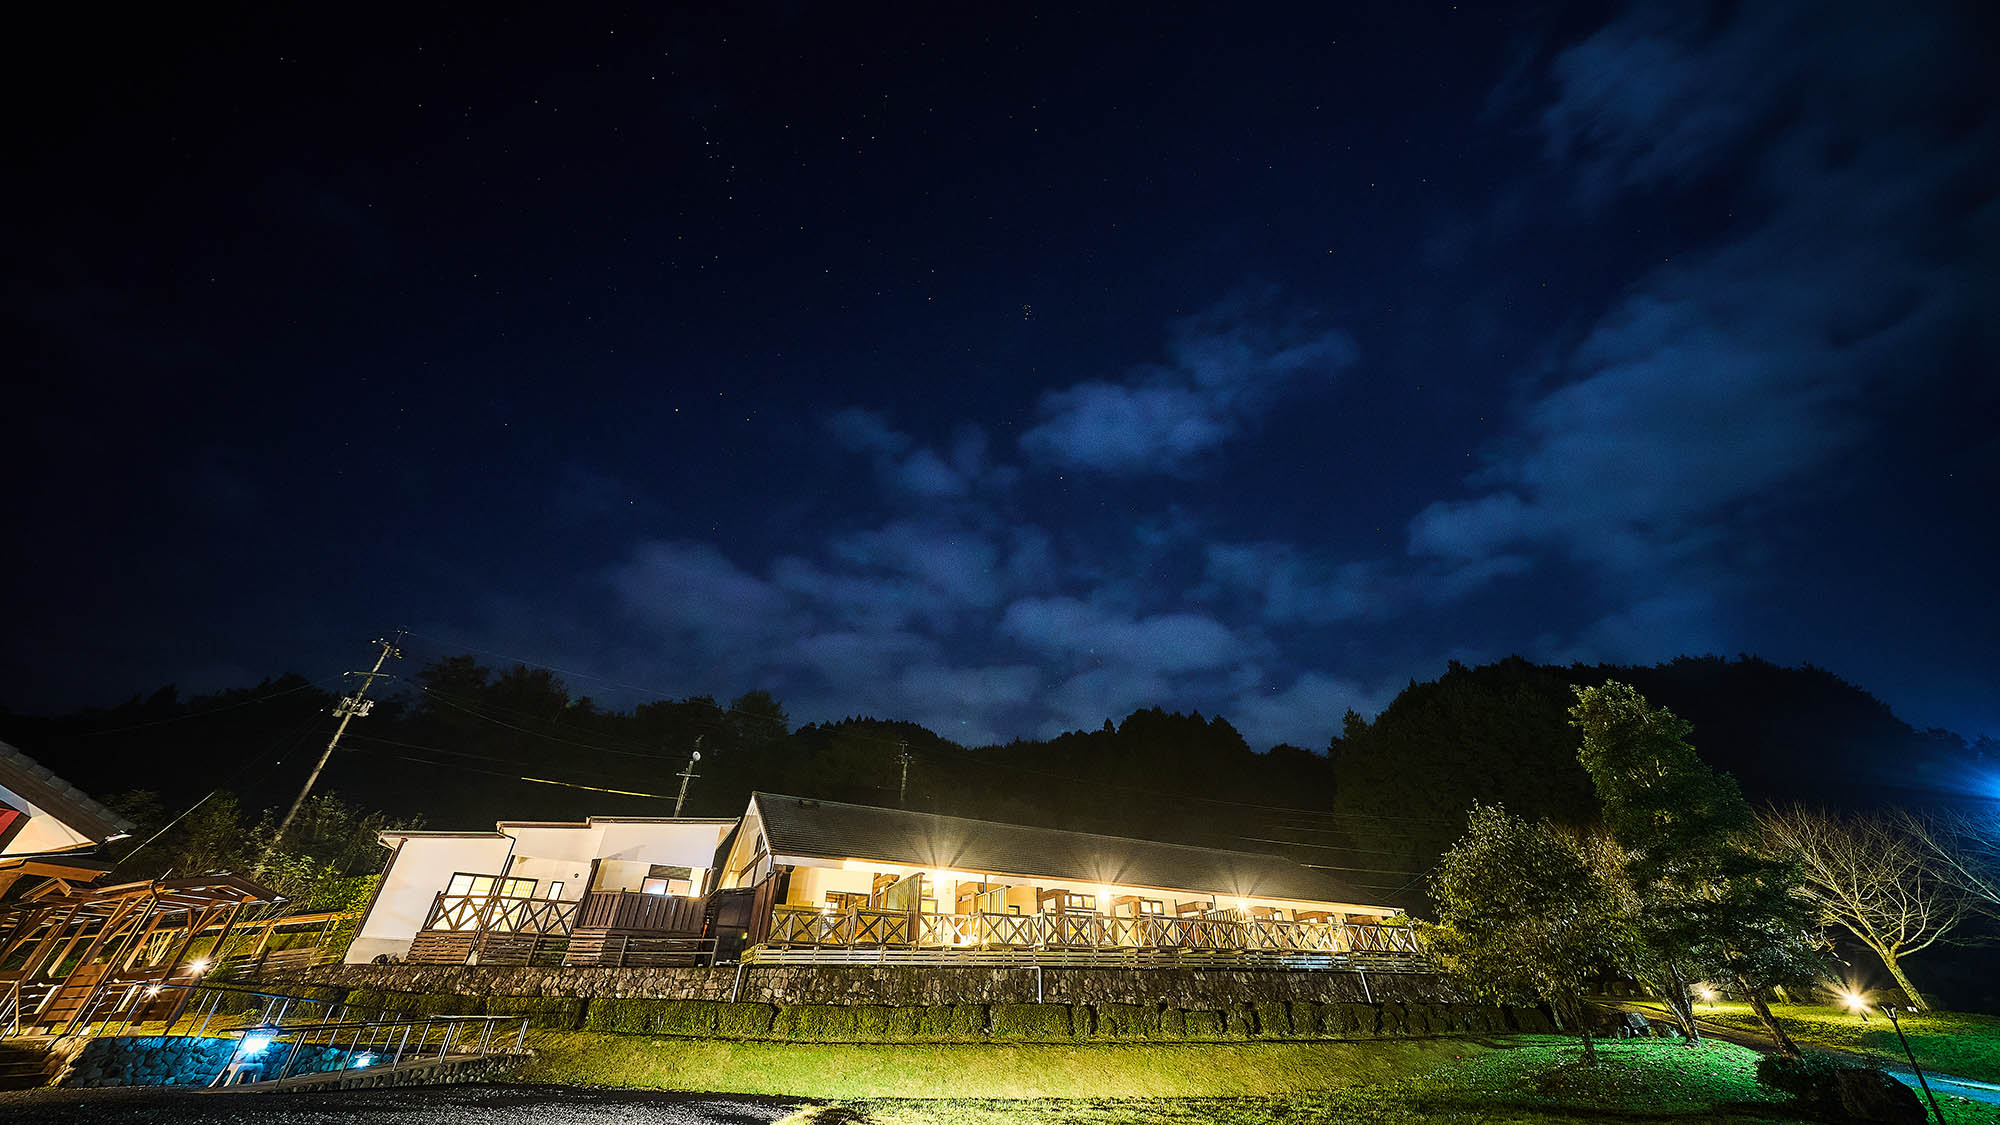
[[903, 756], [350, 708], [688, 775]]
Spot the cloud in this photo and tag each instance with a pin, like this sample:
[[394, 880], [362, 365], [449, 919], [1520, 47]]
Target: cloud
[[866, 431], [1225, 368], [918, 473], [1307, 713], [1732, 381], [1161, 643]]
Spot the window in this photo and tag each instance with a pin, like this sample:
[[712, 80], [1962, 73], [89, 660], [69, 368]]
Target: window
[[555, 889], [489, 886], [1152, 906], [840, 902], [1074, 901], [662, 879]]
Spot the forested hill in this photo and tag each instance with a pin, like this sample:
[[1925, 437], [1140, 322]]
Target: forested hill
[[462, 745], [1500, 732]]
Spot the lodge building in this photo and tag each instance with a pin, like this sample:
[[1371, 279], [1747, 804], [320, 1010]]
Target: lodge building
[[802, 880]]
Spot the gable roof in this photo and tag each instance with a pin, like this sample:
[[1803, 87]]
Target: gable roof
[[798, 826], [58, 798]]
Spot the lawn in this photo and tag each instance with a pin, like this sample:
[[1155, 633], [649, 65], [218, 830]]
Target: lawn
[[937, 1070], [1496, 1079], [1952, 1042], [1517, 1079]]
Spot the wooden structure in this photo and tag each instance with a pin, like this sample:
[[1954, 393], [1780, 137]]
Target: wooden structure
[[69, 956], [855, 883], [603, 928], [49, 829]]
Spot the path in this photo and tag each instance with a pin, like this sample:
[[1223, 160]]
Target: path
[[1943, 1085]]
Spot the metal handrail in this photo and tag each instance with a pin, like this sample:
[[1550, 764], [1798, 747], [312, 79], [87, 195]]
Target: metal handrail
[[369, 1042]]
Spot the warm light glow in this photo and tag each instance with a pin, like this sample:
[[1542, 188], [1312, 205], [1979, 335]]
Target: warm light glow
[[198, 966], [153, 991], [1243, 904], [1706, 993], [1854, 1000]]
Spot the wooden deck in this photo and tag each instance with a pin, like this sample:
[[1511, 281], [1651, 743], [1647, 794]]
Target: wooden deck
[[604, 928], [800, 934]]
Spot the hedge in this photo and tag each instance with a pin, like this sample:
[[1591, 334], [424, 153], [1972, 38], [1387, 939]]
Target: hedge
[[962, 1023], [1037, 1022], [557, 1013]]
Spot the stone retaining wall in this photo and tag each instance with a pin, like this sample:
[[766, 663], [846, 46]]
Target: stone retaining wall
[[897, 985]]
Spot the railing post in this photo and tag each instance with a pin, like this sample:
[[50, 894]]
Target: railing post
[[401, 1043], [521, 1037]]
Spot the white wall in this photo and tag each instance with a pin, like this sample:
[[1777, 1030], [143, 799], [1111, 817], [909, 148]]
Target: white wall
[[424, 866], [810, 884], [41, 832]]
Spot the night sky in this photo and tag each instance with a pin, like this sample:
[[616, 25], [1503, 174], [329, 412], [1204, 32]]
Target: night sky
[[1004, 371]]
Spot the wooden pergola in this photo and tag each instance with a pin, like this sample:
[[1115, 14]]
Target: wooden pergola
[[70, 954]]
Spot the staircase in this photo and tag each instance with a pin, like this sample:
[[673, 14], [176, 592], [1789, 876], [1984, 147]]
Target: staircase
[[25, 1065]]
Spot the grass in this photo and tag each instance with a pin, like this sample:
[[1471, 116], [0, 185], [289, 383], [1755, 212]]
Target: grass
[[1516, 1079], [1499, 1079], [1000, 1071], [1952, 1042]]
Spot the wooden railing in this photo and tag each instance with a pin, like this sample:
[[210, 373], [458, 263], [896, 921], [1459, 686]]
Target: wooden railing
[[891, 929], [501, 914], [632, 910]]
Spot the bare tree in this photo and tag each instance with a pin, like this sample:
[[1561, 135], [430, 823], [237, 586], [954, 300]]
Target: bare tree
[[1872, 879], [1966, 850]]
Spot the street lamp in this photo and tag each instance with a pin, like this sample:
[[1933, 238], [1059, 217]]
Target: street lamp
[[1890, 1011]]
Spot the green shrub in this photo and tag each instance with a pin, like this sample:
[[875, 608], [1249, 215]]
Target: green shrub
[[1307, 1018], [1173, 1024], [1045, 1023], [817, 1023], [1127, 1021], [745, 1021], [872, 1022], [1812, 1080], [1529, 1019], [951, 1022], [1082, 1021], [1394, 1020], [558, 1013], [683, 1017], [1274, 1020], [906, 1025], [1240, 1022], [1355, 1019], [1203, 1024]]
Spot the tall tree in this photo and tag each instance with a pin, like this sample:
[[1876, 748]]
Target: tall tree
[[1524, 913], [1709, 903], [1966, 849], [1870, 878]]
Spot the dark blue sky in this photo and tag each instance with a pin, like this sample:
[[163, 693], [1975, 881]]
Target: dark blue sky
[[1007, 372]]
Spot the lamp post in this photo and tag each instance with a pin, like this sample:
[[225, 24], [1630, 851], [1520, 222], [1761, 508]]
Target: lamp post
[[1890, 1011]]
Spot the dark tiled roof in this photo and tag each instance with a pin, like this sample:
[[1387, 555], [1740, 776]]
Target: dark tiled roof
[[835, 830], [59, 798]]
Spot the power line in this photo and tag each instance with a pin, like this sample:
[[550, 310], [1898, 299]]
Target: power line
[[519, 777]]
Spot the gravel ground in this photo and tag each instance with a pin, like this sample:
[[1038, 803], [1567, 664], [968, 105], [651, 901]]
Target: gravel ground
[[416, 1105]]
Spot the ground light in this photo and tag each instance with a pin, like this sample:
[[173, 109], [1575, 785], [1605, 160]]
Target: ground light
[[1890, 1011]]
